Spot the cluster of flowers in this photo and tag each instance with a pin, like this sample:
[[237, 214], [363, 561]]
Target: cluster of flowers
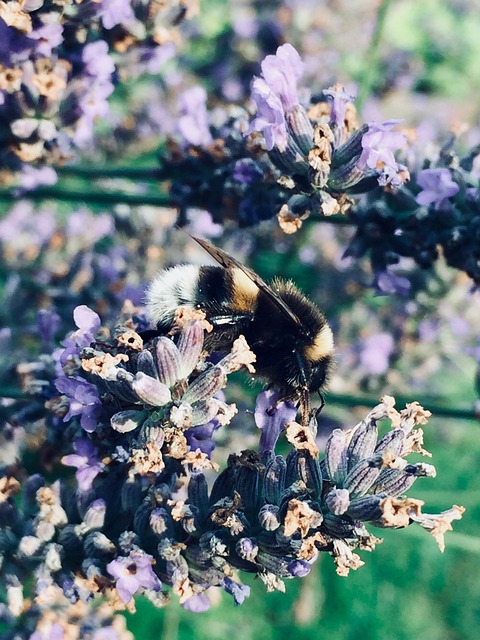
[[296, 160], [145, 518], [58, 68], [301, 161], [438, 213]]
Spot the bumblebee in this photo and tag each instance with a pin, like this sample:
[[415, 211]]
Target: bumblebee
[[287, 332]]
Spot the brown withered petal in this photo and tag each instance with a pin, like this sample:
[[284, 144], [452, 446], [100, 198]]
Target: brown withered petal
[[288, 221], [398, 512], [150, 390], [439, 524], [271, 581], [148, 460], [9, 486], [330, 205], [104, 365], [131, 339], [200, 461], [240, 356], [413, 415], [301, 438], [311, 545], [414, 444], [344, 558], [167, 359], [176, 443], [189, 347], [301, 517]]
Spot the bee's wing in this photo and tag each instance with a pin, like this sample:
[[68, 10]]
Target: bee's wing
[[228, 262]]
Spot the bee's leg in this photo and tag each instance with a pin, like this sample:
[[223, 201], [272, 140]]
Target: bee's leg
[[305, 404], [322, 402]]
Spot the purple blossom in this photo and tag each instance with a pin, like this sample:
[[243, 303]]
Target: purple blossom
[[201, 438], [115, 12], [83, 224], [98, 63], [49, 37], [201, 224], [338, 99], [197, 604], [48, 323], [193, 124], [132, 573], [14, 46], [271, 417], [376, 352], [86, 461], [49, 631], [246, 171], [33, 177], [275, 95], [378, 144], [281, 72], [237, 590], [437, 187], [299, 568], [386, 283], [88, 323], [23, 226], [270, 118], [84, 401]]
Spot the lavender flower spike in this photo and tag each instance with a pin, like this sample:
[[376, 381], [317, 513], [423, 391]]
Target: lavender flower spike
[[437, 187]]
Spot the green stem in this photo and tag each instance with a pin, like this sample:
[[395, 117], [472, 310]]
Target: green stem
[[371, 57], [371, 401], [335, 219], [150, 173], [96, 197], [12, 392]]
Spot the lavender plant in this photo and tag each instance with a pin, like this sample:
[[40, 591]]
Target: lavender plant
[[117, 476], [148, 513]]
